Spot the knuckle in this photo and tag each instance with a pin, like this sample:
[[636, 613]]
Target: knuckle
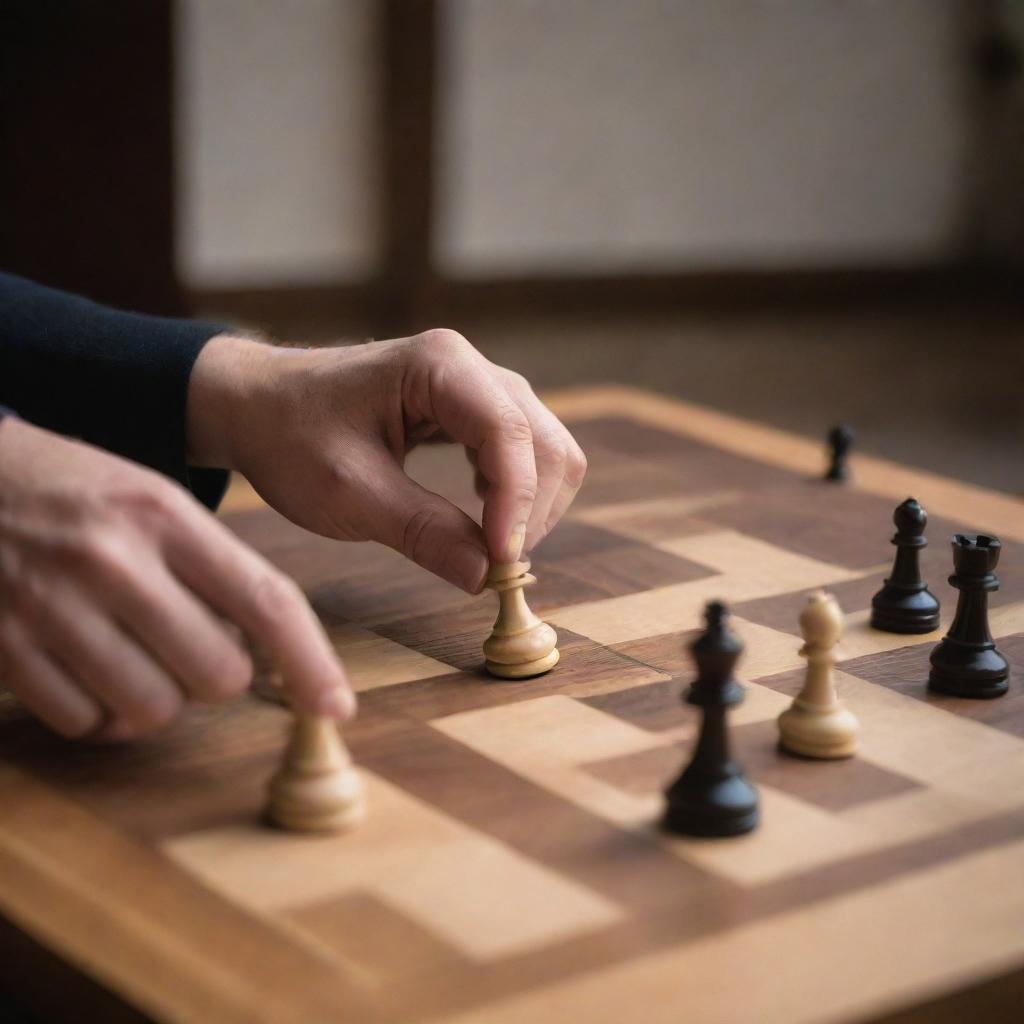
[[157, 709], [517, 381], [551, 450], [444, 342], [99, 555], [524, 493], [166, 498], [513, 425], [76, 724], [159, 504], [575, 467], [227, 674], [339, 477], [416, 525], [270, 592]]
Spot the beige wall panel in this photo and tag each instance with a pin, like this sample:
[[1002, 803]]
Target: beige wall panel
[[603, 136], [275, 139]]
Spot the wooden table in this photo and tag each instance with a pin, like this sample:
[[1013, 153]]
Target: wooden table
[[509, 870]]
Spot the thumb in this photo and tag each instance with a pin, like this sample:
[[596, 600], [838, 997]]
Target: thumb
[[425, 527]]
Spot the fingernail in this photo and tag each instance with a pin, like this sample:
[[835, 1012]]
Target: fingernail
[[468, 565], [515, 542], [338, 703]]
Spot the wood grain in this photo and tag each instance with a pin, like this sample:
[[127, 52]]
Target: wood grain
[[510, 868]]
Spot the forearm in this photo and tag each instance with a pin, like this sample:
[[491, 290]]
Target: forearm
[[118, 380]]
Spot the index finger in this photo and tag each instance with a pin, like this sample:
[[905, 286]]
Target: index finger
[[478, 412], [268, 605]]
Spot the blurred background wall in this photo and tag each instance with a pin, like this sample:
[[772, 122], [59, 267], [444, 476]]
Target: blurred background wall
[[275, 141], [796, 209], [582, 136]]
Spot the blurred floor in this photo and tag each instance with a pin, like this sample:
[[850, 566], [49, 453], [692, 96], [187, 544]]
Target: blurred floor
[[941, 391]]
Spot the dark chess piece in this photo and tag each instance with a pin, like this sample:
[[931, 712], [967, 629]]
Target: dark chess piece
[[840, 441], [905, 604], [711, 797], [965, 663]]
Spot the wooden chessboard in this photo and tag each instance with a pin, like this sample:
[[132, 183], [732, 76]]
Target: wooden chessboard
[[508, 870]]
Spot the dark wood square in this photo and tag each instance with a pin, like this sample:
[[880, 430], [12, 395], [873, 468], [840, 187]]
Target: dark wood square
[[832, 785], [585, 667], [625, 569], [906, 671], [654, 706], [782, 612]]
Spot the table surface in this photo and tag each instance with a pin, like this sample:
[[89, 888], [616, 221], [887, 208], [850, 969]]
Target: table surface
[[509, 869]]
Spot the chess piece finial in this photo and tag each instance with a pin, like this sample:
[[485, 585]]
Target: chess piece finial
[[317, 789], [816, 724], [905, 604], [520, 644], [965, 663], [840, 441], [712, 797]]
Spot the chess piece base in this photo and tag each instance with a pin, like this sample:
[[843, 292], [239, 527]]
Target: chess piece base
[[962, 688], [904, 624], [959, 670], [906, 612], [325, 803], [726, 807], [537, 667], [819, 734]]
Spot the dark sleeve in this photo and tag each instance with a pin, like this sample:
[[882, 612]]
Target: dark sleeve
[[117, 380]]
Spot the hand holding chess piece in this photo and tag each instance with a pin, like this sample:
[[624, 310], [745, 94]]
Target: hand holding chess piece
[[316, 788], [520, 645], [816, 724]]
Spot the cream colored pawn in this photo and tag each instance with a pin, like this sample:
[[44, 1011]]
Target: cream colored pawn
[[816, 724], [520, 645], [317, 789]]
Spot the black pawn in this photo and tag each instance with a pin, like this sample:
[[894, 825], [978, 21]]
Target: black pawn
[[711, 797], [965, 663], [840, 441], [905, 604]]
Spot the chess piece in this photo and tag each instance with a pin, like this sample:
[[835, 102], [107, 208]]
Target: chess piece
[[840, 441], [905, 604], [520, 645], [816, 724], [711, 797], [965, 663], [316, 789]]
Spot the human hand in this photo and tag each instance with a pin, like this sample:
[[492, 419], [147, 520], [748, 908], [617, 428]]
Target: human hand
[[108, 573], [322, 435]]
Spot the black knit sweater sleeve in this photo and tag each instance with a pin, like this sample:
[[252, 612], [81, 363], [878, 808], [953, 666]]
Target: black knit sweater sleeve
[[117, 380]]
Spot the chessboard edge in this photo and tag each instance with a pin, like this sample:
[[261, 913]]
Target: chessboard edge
[[69, 911], [995, 510], [999, 511]]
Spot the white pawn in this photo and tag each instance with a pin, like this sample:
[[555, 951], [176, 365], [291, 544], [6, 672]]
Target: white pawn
[[816, 724], [520, 645], [316, 789]]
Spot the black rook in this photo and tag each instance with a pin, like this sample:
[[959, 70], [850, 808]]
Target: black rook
[[966, 663]]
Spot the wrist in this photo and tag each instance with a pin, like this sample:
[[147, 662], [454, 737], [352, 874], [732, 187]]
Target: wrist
[[224, 390], [22, 446]]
